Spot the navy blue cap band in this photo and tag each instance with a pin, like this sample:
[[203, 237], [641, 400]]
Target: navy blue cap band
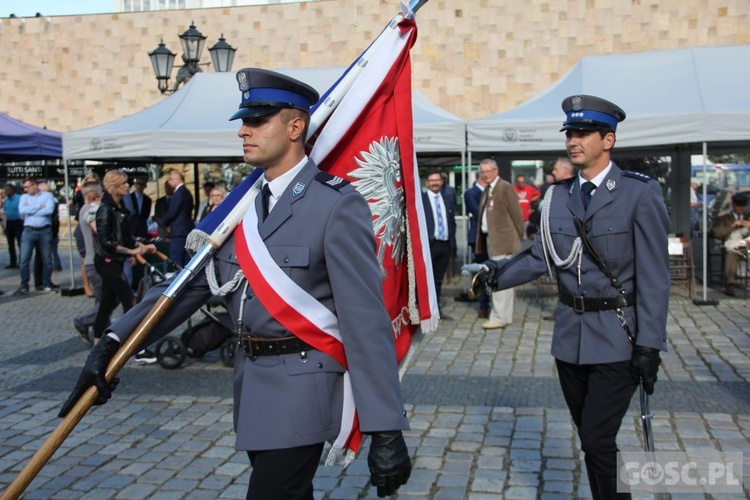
[[256, 96], [588, 116]]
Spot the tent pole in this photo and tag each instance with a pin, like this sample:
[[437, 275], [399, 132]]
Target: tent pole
[[464, 183], [704, 301], [196, 181], [72, 290]]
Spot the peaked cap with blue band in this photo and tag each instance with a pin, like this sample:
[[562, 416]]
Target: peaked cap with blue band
[[265, 92], [587, 112]]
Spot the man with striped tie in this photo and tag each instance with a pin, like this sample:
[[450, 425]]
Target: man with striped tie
[[440, 216]]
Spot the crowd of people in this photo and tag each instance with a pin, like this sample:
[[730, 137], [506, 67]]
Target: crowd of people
[[113, 224]]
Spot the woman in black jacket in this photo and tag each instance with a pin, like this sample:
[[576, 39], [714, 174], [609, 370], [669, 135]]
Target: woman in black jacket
[[114, 244]]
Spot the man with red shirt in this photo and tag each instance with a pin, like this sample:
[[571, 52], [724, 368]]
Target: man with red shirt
[[526, 194]]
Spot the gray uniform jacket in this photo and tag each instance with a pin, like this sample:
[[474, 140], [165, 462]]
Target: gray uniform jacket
[[627, 223], [322, 238]]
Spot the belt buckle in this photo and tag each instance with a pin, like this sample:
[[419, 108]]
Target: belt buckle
[[578, 304], [247, 346]]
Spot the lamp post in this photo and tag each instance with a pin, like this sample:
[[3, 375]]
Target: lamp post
[[192, 41]]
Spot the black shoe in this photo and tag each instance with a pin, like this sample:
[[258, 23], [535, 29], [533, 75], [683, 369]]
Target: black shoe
[[11, 266], [145, 357], [21, 291], [83, 330]]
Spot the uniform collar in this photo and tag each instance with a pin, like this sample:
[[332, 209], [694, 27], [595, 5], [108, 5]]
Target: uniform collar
[[280, 183], [598, 179]]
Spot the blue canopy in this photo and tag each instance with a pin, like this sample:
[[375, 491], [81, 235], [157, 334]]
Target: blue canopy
[[20, 141]]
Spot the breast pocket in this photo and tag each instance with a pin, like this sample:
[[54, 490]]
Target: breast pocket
[[290, 256], [563, 234], [611, 237]]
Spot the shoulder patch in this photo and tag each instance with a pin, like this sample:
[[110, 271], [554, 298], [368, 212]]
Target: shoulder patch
[[564, 181], [636, 175], [332, 181]]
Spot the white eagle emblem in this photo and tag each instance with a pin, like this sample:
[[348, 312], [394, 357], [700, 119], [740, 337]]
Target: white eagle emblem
[[378, 179]]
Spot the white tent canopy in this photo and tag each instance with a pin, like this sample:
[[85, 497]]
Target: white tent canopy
[[193, 124], [671, 97], [435, 129]]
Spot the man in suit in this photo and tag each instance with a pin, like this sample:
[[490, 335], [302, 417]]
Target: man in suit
[[161, 207], [440, 216], [621, 216], [501, 230], [140, 207], [313, 249], [179, 218], [735, 223]]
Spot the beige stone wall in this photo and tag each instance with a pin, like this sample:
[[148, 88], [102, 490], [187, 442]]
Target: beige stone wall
[[473, 57]]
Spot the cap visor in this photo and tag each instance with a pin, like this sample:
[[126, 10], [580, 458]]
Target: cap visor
[[255, 111]]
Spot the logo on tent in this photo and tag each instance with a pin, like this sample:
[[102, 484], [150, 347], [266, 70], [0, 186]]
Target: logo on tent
[[510, 135]]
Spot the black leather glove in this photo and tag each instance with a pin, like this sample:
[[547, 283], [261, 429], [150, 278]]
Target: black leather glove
[[389, 462], [492, 273], [645, 364], [93, 374]]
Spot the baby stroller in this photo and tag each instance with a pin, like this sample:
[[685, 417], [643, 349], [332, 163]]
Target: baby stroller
[[214, 331]]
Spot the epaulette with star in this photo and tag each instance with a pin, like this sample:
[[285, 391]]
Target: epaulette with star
[[332, 181], [637, 175]]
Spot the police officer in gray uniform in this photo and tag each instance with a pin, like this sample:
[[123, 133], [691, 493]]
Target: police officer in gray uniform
[[604, 235], [288, 396]]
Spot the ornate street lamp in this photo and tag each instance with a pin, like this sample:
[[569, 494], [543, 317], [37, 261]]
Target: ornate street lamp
[[222, 55], [162, 59], [192, 44], [192, 41]]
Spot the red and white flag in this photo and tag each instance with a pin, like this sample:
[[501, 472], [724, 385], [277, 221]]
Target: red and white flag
[[368, 140]]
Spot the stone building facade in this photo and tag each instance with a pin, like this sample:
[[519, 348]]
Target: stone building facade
[[473, 58]]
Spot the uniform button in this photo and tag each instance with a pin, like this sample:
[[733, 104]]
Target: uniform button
[[583, 294], [610, 228], [403, 413], [286, 260], [320, 365]]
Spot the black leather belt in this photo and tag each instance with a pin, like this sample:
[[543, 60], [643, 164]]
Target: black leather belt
[[34, 228], [258, 346], [585, 304]]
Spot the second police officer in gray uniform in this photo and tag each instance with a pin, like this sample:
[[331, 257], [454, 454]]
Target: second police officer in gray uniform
[[604, 235], [288, 396]]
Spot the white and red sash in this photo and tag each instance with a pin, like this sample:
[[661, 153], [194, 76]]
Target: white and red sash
[[301, 314]]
